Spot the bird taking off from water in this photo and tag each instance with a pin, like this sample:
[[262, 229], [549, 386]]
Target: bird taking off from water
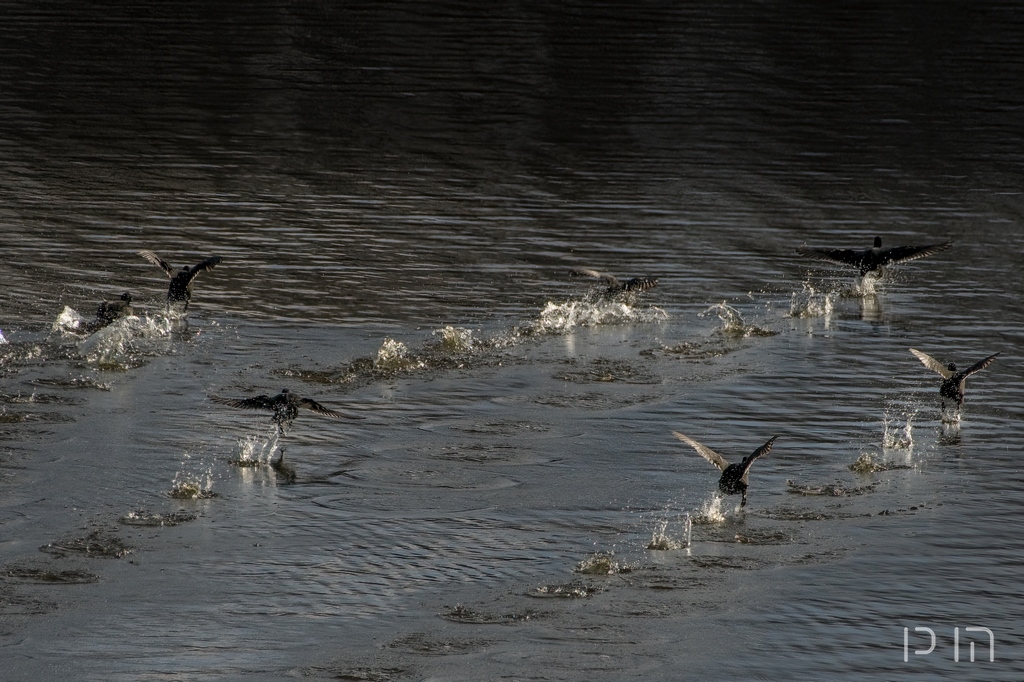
[[285, 406], [870, 260], [615, 285], [109, 311], [952, 387], [734, 476], [180, 289]]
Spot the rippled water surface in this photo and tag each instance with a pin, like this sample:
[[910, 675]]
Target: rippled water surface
[[399, 195]]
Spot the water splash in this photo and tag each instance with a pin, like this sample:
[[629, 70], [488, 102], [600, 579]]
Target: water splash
[[896, 437], [602, 563], [256, 450], [123, 343], [393, 356], [67, 322], [711, 512], [865, 286], [868, 463], [188, 485], [454, 339], [562, 318], [663, 539], [811, 303], [733, 324], [3, 340]]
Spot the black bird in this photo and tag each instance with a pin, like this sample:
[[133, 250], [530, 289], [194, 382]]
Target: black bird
[[180, 288], [110, 311], [734, 476], [285, 406], [876, 257], [953, 381], [615, 285]]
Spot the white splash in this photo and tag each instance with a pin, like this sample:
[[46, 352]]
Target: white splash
[[256, 450], [733, 324], [662, 538], [811, 303], [118, 343], [454, 339], [393, 356], [711, 512], [561, 318], [895, 436], [67, 322]]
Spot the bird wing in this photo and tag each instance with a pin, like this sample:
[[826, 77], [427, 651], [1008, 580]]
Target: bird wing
[[159, 262], [640, 284], [704, 451], [207, 264], [933, 364], [839, 256], [763, 450], [611, 280], [260, 402], [902, 254], [980, 365], [314, 406]]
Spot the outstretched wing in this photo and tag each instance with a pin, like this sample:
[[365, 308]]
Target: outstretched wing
[[314, 406], [704, 451], [839, 256], [763, 450], [260, 402], [980, 365], [902, 254], [611, 280], [159, 262], [639, 284], [933, 364], [207, 264]]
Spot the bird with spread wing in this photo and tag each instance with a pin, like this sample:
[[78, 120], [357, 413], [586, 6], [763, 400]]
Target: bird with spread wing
[[180, 288], [875, 258], [953, 381], [734, 476]]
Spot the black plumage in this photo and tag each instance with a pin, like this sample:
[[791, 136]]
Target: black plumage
[[869, 260], [180, 288], [285, 406], [953, 381], [109, 311], [734, 476]]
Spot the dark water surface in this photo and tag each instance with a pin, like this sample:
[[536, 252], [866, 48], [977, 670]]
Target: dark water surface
[[398, 193]]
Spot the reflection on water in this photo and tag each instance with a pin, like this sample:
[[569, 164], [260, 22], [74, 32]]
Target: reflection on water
[[398, 194]]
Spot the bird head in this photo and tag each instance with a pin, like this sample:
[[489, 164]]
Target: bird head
[[878, 242], [126, 297], [951, 367]]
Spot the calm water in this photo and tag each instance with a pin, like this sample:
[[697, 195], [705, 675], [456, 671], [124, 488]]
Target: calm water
[[398, 198]]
